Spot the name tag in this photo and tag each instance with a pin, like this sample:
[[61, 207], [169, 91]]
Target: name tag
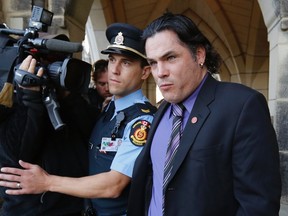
[[109, 145]]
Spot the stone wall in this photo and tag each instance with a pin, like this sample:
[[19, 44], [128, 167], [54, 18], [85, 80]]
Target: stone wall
[[275, 14], [16, 14]]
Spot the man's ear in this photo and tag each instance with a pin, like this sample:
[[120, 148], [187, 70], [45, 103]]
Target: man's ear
[[146, 72], [201, 55]]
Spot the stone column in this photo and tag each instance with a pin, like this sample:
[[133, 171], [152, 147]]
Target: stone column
[[95, 32], [275, 14]]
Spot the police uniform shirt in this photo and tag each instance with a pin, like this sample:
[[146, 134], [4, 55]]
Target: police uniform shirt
[[129, 150]]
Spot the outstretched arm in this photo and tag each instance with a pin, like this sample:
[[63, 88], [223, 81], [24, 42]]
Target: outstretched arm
[[33, 180]]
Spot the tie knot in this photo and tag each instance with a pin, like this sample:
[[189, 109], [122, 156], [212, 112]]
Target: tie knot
[[177, 109]]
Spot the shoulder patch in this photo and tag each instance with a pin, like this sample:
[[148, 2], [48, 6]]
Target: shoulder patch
[[139, 132]]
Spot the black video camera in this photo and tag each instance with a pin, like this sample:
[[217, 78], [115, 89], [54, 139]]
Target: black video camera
[[54, 55]]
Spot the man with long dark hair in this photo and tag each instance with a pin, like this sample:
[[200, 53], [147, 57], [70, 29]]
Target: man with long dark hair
[[223, 159]]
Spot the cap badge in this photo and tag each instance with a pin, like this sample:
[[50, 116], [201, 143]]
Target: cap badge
[[119, 39]]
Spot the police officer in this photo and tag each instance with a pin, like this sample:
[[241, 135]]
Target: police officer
[[117, 138], [116, 143]]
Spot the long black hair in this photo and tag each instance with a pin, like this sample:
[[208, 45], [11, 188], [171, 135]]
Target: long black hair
[[188, 34]]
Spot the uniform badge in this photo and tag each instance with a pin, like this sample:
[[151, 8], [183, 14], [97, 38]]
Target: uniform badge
[[145, 110], [119, 39], [109, 145], [139, 132]]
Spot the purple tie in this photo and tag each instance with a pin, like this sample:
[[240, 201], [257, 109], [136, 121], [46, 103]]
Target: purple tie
[[177, 111]]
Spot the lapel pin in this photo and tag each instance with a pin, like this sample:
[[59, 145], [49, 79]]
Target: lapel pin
[[194, 120]]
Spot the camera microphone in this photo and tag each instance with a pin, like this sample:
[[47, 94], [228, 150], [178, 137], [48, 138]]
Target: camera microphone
[[12, 31], [57, 45]]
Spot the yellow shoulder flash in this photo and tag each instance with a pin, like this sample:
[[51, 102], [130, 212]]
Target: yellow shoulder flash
[[145, 110]]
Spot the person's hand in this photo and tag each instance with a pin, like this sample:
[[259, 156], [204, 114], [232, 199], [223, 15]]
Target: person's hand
[[29, 64], [106, 101], [30, 180]]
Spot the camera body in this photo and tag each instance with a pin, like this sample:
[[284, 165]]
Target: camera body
[[54, 55], [61, 71]]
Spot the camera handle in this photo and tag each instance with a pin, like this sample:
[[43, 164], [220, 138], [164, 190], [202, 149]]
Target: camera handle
[[53, 107], [27, 79]]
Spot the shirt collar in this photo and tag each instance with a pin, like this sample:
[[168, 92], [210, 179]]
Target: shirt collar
[[128, 100], [189, 102]]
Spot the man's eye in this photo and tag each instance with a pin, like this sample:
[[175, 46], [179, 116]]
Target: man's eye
[[111, 59], [126, 62], [101, 84]]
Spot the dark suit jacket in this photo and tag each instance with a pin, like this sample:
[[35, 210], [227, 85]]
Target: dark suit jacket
[[227, 162]]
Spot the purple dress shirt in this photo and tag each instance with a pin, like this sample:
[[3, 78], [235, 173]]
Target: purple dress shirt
[[159, 148]]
